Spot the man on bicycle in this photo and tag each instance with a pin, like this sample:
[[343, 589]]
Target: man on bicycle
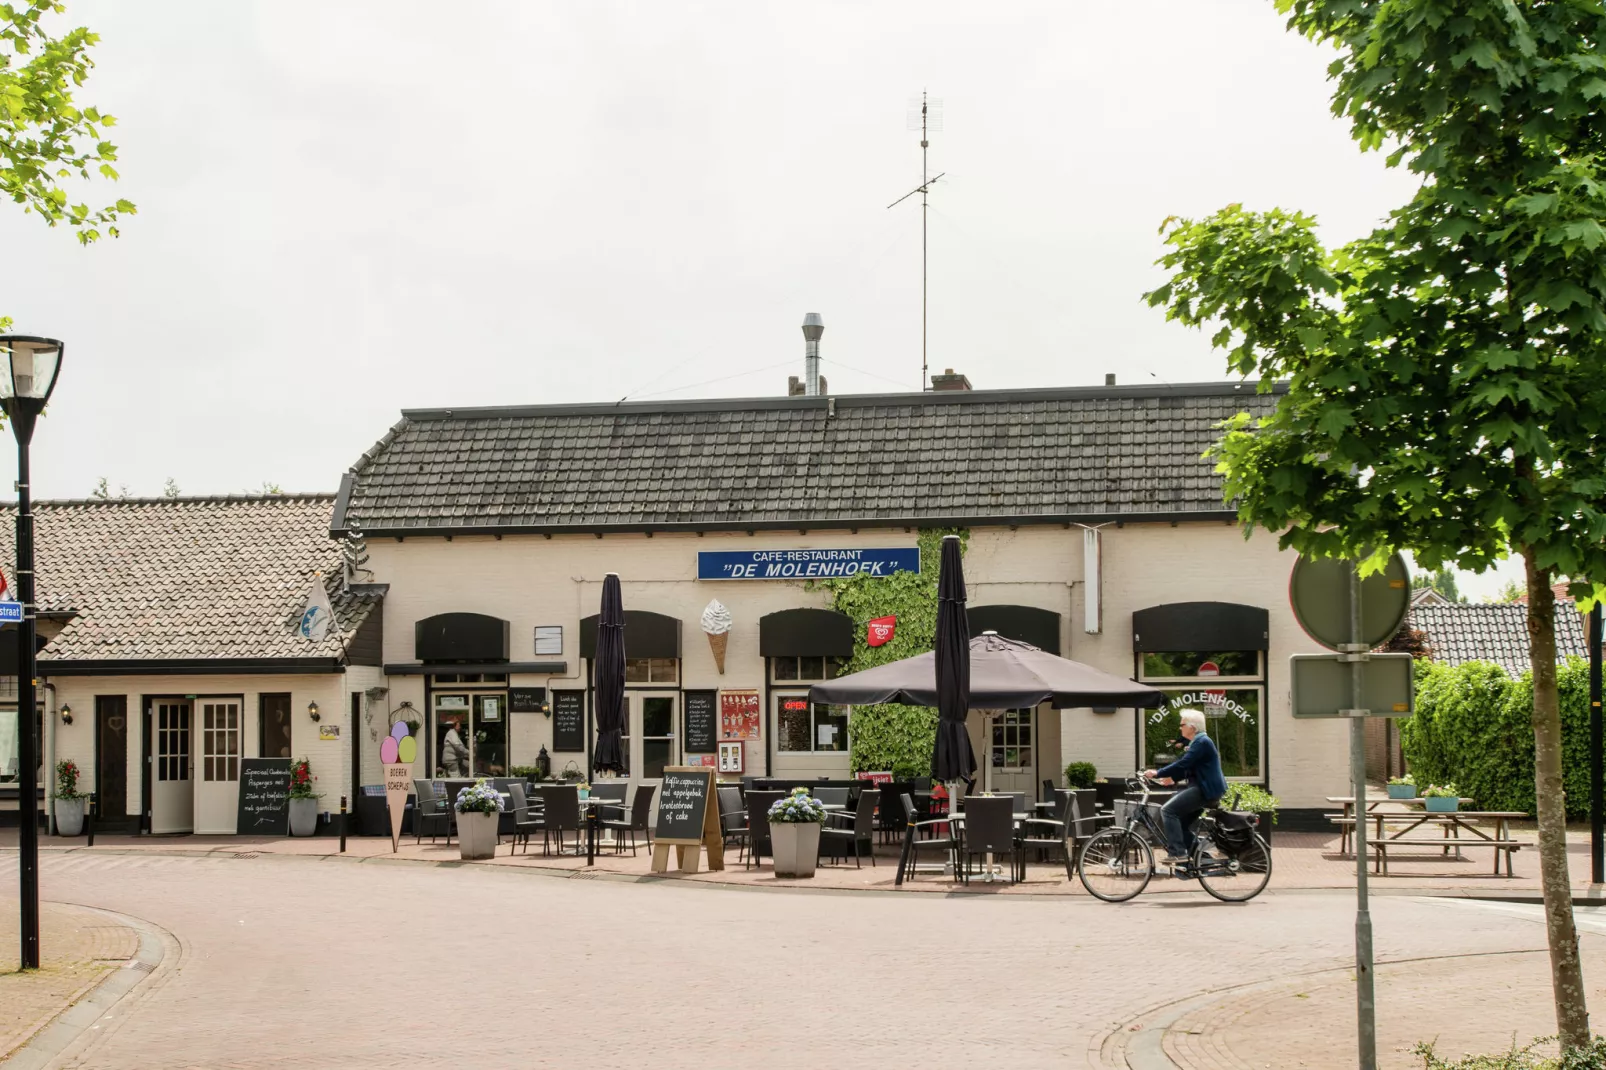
[[1200, 767]]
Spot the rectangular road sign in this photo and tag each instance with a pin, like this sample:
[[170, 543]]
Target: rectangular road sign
[[11, 612], [1321, 685]]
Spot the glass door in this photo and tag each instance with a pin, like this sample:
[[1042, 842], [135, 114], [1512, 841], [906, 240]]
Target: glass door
[[217, 789], [471, 735], [172, 791], [651, 744], [488, 750], [1011, 764]]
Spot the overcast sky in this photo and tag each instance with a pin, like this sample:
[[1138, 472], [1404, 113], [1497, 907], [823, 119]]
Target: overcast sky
[[346, 209]]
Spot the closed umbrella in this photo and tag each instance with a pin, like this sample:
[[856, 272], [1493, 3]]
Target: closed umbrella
[[952, 759], [608, 757]]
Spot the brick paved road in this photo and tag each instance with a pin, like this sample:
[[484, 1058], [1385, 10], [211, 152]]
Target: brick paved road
[[305, 962], [78, 947]]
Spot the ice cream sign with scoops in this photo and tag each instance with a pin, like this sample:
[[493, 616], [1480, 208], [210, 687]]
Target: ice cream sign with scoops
[[805, 564]]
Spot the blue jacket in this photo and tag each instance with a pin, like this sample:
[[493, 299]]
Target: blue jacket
[[1200, 765]]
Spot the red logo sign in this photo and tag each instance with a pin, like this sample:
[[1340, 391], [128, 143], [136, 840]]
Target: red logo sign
[[880, 630]]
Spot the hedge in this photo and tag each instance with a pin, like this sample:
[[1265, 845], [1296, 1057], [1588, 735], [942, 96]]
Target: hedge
[[1473, 726]]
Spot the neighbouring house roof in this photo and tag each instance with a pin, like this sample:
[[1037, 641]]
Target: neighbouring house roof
[[222, 578], [1493, 631], [931, 459], [1427, 596]]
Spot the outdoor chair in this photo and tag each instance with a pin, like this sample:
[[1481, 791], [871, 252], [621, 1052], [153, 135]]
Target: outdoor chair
[[854, 829], [832, 796], [922, 783], [615, 791], [732, 817], [913, 844], [1048, 790], [989, 829], [561, 815], [433, 813], [758, 824], [1020, 807], [1068, 830], [527, 819], [889, 814], [635, 821]]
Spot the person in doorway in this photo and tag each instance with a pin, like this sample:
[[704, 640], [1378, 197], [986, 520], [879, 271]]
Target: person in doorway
[[454, 755], [1200, 769]]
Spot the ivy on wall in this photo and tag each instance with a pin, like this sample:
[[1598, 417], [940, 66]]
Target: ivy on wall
[[893, 737]]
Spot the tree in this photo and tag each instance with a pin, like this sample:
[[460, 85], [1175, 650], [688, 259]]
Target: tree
[[1446, 373], [1442, 581], [170, 488], [44, 136], [1510, 591], [103, 491]]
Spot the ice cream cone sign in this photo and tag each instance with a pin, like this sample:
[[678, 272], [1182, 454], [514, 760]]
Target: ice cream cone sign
[[396, 754], [717, 626]]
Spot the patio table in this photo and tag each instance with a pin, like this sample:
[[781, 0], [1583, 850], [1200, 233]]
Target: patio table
[[1394, 828]]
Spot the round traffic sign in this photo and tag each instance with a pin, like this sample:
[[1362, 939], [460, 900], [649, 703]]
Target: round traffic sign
[[1320, 594]]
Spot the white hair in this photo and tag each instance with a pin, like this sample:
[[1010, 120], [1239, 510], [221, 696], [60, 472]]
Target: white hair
[[1195, 718]]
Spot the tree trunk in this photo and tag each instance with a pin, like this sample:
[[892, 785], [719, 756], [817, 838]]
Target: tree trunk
[[1566, 972]]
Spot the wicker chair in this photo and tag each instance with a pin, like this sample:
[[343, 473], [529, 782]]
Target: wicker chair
[[855, 830]]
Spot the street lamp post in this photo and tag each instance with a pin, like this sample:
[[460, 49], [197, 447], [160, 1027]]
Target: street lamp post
[[28, 370]]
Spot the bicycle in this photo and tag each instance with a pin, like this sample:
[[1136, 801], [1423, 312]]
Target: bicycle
[[1117, 863]]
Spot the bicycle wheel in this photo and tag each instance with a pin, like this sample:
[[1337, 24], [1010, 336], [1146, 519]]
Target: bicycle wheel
[[1235, 878], [1115, 865]]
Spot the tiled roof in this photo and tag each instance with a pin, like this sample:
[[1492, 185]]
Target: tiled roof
[[1493, 631], [961, 456], [209, 578]]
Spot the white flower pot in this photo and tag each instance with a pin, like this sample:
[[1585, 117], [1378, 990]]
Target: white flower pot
[[476, 835], [69, 817], [303, 817], [797, 847]]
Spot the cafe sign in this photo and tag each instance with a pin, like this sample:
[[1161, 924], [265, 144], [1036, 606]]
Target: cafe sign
[[805, 564]]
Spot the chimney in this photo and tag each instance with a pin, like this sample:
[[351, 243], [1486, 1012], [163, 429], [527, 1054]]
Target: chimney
[[813, 327], [948, 380], [1109, 378]]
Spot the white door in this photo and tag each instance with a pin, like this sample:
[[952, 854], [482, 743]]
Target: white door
[[1011, 762], [172, 790], [217, 787]]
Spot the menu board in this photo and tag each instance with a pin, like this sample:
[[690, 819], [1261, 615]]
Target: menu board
[[683, 801], [526, 699], [568, 720], [264, 797], [700, 722], [738, 714]]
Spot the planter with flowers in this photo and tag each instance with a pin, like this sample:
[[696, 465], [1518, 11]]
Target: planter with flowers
[[304, 797], [69, 801], [478, 809], [1402, 787], [1441, 799], [795, 833]]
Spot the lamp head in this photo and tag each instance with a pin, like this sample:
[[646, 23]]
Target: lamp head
[[29, 366]]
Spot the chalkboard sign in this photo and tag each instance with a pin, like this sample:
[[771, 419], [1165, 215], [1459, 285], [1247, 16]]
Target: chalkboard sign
[[683, 800], [526, 699], [568, 720], [264, 797], [701, 720]]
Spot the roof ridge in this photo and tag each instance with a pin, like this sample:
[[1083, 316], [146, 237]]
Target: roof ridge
[[183, 499]]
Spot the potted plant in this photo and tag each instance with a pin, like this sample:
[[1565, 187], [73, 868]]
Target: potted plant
[[795, 833], [304, 798], [1253, 799], [69, 804], [1441, 798], [478, 809], [1080, 775], [1402, 787]]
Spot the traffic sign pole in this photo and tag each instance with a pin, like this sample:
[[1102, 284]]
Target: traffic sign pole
[[1365, 1000]]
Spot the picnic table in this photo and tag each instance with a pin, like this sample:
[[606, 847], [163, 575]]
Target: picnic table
[[1393, 829]]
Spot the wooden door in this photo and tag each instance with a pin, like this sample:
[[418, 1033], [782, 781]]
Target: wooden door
[[172, 789], [217, 787], [1012, 752], [111, 761]]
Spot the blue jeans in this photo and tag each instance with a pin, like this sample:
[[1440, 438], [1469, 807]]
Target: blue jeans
[[1180, 813]]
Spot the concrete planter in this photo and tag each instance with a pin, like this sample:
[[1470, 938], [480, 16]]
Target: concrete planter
[[797, 847], [69, 817], [476, 835], [303, 817]]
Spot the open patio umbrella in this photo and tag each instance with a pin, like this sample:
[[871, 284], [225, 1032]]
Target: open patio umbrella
[[952, 759], [608, 757], [1004, 675]]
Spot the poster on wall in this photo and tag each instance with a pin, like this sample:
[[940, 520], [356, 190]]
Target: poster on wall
[[739, 715]]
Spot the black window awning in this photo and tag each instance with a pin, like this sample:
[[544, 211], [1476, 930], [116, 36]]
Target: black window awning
[[461, 637], [647, 635], [1024, 624], [1200, 626], [805, 633]]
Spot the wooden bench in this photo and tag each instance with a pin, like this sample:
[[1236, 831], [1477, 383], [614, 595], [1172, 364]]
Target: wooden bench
[[1382, 848]]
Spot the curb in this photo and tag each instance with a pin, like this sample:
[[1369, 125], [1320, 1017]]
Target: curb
[[90, 1011]]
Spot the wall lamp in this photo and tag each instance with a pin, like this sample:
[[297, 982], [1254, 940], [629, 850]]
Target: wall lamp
[[66, 714], [312, 710]]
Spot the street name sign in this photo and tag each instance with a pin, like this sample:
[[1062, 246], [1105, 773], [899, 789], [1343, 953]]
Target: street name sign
[[11, 612]]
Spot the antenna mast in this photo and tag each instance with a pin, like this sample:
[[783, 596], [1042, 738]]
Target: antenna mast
[[928, 119]]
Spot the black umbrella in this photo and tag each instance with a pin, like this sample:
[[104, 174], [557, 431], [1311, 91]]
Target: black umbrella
[[610, 679], [952, 758]]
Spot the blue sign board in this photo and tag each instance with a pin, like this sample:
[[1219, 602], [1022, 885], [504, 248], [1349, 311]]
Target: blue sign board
[[805, 564], [11, 612]]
